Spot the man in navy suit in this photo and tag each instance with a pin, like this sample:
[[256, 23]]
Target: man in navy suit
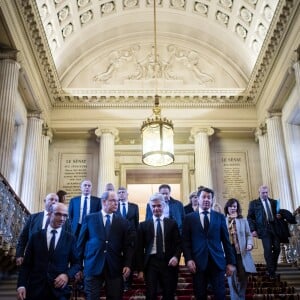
[[50, 261], [105, 247], [206, 247], [35, 222], [81, 206], [261, 218], [158, 267], [129, 211]]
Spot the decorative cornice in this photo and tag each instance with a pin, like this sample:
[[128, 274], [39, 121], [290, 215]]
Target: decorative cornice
[[284, 14], [33, 26], [280, 24]]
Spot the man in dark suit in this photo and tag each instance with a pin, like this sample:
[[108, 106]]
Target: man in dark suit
[[105, 246], [206, 247], [261, 218], [34, 223], [81, 206], [173, 208], [159, 250], [50, 261], [129, 211]]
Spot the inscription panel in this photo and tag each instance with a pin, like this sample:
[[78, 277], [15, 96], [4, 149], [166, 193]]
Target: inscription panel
[[73, 168]]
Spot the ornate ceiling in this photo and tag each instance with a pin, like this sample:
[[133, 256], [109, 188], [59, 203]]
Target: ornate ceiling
[[210, 52]]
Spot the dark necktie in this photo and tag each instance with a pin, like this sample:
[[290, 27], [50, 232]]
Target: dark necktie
[[159, 240], [47, 221], [124, 210], [205, 221], [52, 242], [107, 225], [84, 211], [269, 213]]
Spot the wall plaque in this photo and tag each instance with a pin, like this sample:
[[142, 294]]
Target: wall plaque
[[73, 168]]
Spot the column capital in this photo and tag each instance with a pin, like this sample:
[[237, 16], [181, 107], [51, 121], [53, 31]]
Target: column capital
[[206, 130], [260, 131], [273, 114], [34, 115], [8, 53], [47, 132], [111, 130]]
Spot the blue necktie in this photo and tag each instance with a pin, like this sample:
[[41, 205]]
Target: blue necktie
[[107, 225], [52, 242], [124, 210], [159, 240], [205, 221], [84, 211]]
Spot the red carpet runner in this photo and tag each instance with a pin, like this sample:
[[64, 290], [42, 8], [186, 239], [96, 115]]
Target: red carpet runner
[[259, 287]]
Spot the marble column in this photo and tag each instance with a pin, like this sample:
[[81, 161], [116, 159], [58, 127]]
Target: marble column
[[278, 163], [9, 74], [106, 169], [262, 138], [203, 168], [46, 139], [32, 164]]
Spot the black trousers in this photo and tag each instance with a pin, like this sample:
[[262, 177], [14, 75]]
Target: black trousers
[[159, 275], [271, 245]]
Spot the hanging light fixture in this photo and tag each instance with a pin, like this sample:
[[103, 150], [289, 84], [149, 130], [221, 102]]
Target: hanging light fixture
[[157, 132]]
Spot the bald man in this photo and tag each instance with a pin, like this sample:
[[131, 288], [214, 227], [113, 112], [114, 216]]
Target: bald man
[[35, 222]]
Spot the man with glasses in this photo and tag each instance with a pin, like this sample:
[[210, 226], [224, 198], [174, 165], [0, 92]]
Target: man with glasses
[[35, 222], [50, 261]]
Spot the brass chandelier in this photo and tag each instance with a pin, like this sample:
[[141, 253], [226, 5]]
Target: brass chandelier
[[157, 132]]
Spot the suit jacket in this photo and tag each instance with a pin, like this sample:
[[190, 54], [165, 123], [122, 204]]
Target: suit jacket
[[33, 224], [188, 208], [197, 245], [39, 269], [257, 218], [176, 212], [132, 214], [96, 250], [244, 239], [146, 234], [74, 210]]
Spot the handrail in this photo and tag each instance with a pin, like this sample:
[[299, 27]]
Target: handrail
[[13, 216]]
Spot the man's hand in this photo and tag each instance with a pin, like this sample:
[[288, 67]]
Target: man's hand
[[126, 272], [229, 270], [61, 281], [192, 266], [19, 260], [254, 234], [173, 262], [21, 293], [78, 276], [140, 275]]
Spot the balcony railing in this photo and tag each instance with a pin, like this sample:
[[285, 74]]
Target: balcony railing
[[13, 216]]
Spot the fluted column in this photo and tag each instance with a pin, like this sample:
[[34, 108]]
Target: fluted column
[[32, 164], [9, 74], [296, 67], [203, 173], [107, 137], [278, 163], [262, 139], [46, 139]]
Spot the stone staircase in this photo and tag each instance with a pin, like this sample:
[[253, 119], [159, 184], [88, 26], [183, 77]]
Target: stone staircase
[[285, 287]]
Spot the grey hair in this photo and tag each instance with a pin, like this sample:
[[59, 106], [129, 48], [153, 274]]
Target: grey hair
[[105, 195], [159, 197]]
